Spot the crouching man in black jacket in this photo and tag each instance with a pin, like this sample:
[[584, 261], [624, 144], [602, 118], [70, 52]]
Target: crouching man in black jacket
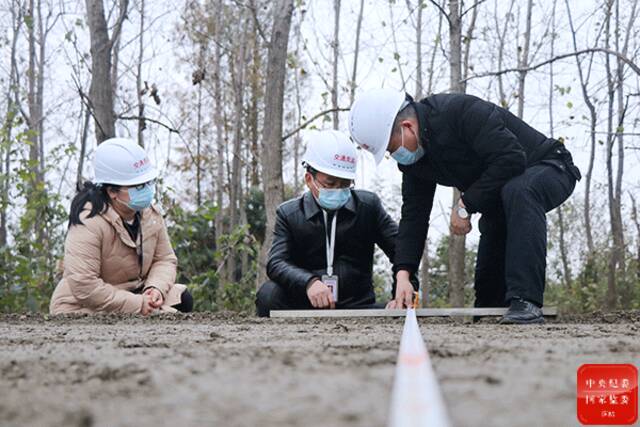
[[506, 170], [322, 252]]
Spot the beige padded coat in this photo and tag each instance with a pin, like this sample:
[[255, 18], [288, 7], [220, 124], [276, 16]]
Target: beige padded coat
[[101, 266]]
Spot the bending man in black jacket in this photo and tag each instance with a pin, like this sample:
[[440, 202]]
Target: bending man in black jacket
[[507, 170], [322, 253]]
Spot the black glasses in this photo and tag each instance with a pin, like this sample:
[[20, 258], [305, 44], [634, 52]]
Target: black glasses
[[341, 184], [142, 186]]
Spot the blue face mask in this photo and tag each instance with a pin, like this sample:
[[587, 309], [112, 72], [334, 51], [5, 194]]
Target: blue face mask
[[140, 197], [405, 157], [332, 199]]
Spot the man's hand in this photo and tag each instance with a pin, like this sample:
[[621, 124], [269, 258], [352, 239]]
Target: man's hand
[[156, 298], [320, 295], [459, 226], [404, 292], [146, 308]]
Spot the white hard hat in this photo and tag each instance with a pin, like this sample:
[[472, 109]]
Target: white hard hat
[[121, 161], [331, 152], [371, 119]]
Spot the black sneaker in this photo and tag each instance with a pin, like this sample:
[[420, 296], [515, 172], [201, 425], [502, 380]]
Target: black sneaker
[[522, 312]]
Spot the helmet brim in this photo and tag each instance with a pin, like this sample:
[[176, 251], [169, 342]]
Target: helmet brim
[[380, 155], [152, 173], [332, 172]]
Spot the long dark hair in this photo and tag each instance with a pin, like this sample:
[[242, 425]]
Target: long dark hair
[[97, 195]]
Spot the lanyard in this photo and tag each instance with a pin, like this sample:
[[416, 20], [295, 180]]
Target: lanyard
[[331, 244], [139, 249]]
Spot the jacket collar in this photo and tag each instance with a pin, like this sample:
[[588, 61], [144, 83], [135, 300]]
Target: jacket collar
[[423, 114], [312, 209], [116, 221]]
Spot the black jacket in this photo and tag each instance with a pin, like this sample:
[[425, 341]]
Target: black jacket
[[470, 144], [298, 253]]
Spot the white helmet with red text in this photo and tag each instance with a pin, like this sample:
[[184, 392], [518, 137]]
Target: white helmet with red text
[[371, 119], [331, 152], [121, 161]]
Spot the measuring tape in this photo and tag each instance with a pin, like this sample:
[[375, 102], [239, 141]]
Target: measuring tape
[[416, 398]]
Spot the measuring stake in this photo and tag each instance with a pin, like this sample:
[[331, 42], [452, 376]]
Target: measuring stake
[[416, 399]]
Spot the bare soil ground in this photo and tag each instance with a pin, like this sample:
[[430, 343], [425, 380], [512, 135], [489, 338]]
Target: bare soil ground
[[219, 370]]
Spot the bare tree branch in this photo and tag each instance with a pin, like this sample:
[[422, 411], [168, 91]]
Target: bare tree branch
[[87, 102], [117, 28], [254, 13], [620, 56], [444, 12], [147, 119], [475, 5], [305, 124]]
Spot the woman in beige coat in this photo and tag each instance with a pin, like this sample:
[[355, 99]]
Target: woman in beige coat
[[118, 257]]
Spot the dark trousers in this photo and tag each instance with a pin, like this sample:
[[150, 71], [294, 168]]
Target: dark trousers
[[186, 302], [513, 239], [272, 296]]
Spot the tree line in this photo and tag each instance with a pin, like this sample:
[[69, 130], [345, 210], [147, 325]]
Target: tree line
[[220, 92]]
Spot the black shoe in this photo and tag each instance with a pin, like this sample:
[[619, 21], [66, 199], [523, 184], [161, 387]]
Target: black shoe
[[522, 312]]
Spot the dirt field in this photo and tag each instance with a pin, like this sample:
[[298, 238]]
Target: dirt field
[[204, 370]]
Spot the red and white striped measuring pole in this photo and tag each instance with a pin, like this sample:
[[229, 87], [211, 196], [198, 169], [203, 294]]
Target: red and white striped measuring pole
[[416, 399]]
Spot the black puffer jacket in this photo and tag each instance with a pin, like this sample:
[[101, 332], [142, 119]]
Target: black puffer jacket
[[470, 144], [298, 253]]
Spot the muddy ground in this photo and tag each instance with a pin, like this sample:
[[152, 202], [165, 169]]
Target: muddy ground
[[217, 370]]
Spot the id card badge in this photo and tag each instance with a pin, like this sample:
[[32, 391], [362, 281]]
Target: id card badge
[[332, 283]]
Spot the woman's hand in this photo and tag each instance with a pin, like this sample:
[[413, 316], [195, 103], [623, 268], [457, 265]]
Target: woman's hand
[[146, 308], [156, 298]]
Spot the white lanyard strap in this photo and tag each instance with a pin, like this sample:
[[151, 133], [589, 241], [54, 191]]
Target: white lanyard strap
[[330, 243]]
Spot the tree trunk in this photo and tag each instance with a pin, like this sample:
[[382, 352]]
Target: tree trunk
[[617, 226], [502, 33], [523, 60], [272, 128], [198, 147], [419, 90], [238, 72], [353, 84], [35, 78], [437, 42], [115, 51], [7, 126], [636, 221], [42, 38], [336, 52], [34, 97], [256, 93], [612, 292], [566, 272], [297, 138], [220, 142], [456, 243], [469, 38], [356, 54], [396, 48], [101, 90], [83, 145], [141, 121], [592, 149], [424, 261], [425, 283]]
